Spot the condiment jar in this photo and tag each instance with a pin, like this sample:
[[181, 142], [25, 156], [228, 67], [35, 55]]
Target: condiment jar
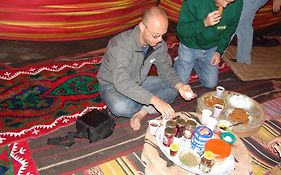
[[189, 129], [171, 124], [169, 136], [181, 123], [207, 161]]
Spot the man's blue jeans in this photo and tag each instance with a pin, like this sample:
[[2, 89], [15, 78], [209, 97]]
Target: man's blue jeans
[[245, 30], [122, 106], [200, 60]]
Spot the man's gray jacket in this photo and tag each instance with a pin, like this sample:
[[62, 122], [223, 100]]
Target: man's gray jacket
[[124, 67]]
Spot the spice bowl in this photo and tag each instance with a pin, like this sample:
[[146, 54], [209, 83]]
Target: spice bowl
[[189, 158], [228, 137], [224, 126]]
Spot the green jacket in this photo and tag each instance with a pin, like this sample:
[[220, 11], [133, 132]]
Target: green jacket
[[192, 32]]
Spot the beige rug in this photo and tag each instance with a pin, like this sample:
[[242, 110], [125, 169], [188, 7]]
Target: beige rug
[[266, 63]]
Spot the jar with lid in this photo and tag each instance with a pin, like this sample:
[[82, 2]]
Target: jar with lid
[[189, 128], [207, 161], [169, 136], [181, 123], [171, 124]]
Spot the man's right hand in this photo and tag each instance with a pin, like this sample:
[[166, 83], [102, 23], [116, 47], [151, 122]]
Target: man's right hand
[[164, 108], [213, 18], [276, 6]]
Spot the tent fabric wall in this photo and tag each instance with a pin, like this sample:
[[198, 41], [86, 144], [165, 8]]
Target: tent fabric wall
[[264, 18], [53, 20]]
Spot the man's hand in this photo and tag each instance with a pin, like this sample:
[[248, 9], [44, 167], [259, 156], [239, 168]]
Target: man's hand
[[213, 18], [216, 59], [185, 91], [164, 108], [276, 6], [275, 145]]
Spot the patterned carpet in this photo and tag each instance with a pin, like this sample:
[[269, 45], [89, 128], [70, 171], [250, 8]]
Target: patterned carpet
[[39, 99]]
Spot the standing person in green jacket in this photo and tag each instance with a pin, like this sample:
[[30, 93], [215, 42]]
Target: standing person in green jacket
[[204, 34]]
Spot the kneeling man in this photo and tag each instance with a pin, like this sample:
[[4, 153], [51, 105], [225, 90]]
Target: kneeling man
[[125, 86]]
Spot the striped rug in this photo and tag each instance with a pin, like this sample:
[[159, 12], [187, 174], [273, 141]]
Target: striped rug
[[130, 164], [81, 156], [263, 160]]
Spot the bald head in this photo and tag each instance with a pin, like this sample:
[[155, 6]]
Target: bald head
[[153, 26], [154, 13]]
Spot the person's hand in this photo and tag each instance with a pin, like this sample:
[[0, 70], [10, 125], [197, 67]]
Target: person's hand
[[275, 145], [213, 18], [276, 6], [186, 92], [216, 59], [163, 107]]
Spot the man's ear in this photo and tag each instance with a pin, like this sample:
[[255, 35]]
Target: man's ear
[[141, 26]]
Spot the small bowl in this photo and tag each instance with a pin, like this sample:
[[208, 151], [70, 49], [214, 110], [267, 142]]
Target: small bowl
[[223, 126], [228, 137], [189, 158]]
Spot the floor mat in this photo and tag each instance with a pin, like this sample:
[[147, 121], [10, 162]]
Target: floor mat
[[37, 100], [82, 155], [266, 63], [16, 159], [263, 160]]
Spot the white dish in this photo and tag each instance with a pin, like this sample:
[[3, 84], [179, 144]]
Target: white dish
[[223, 168]]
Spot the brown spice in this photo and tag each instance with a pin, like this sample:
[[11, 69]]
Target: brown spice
[[239, 115], [210, 101]]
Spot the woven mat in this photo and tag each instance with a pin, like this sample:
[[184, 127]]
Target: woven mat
[[266, 63]]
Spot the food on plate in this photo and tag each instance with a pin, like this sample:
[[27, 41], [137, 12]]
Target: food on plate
[[240, 101], [190, 159], [220, 9], [204, 132], [210, 101], [239, 115]]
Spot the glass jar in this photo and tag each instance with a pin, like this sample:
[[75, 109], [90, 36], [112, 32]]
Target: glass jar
[[207, 161], [171, 124], [181, 123], [169, 136], [189, 129]]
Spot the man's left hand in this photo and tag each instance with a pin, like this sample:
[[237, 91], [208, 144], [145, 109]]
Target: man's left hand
[[216, 59]]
